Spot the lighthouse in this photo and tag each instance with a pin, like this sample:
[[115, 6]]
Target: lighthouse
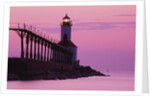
[[66, 37]]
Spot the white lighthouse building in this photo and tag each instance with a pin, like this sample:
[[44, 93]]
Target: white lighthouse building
[[66, 37]]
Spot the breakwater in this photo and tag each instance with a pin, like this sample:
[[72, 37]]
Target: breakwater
[[27, 69]]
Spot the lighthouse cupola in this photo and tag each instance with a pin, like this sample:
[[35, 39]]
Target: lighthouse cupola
[[66, 28], [67, 21]]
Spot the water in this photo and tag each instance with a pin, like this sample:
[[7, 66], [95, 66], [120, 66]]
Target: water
[[115, 82]]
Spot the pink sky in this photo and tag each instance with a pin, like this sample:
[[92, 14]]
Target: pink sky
[[105, 35]]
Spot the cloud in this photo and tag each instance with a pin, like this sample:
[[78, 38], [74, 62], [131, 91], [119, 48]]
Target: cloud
[[126, 15], [93, 26], [45, 27], [103, 25], [51, 30]]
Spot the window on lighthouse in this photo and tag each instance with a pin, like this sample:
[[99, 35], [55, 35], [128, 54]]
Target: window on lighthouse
[[65, 37]]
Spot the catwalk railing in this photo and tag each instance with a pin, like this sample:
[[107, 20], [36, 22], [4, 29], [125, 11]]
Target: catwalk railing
[[44, 49]]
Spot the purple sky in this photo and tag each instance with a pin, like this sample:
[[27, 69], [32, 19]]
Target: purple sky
[[105, 35]]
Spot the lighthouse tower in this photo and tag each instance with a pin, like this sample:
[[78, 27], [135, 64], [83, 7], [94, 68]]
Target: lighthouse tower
[[66, 37], [66, 28]]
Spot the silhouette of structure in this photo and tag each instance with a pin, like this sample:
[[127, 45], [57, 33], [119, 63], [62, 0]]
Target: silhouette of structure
[[66, 38], [46, 46]]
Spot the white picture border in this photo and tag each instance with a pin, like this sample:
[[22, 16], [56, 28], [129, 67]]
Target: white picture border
[[139, 46]]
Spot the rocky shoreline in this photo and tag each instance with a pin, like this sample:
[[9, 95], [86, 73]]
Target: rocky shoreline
[[55, 74]]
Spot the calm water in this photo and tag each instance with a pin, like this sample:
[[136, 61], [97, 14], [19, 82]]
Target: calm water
[[121, 82]]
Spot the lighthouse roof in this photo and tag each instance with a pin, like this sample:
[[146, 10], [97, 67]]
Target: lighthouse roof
[[67, 43], [66, 17]]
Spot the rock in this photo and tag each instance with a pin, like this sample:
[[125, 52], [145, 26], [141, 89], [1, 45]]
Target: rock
[[77, 72], [13, 77]]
